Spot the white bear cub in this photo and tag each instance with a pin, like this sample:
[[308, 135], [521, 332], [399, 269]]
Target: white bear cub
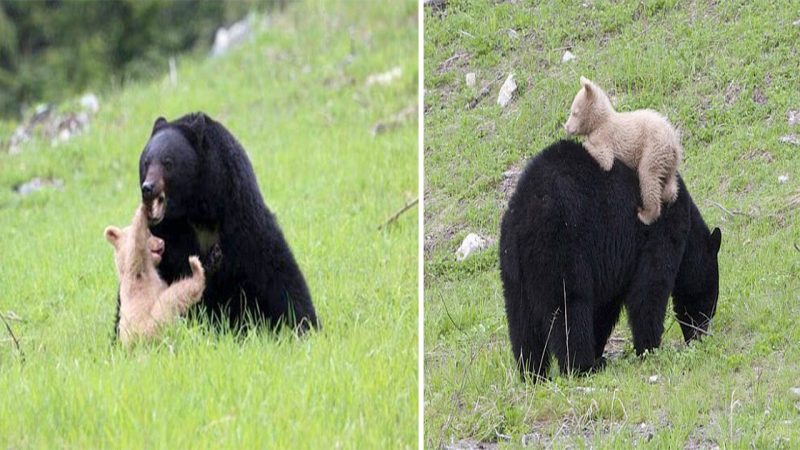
[[643, 140], [147, 304]]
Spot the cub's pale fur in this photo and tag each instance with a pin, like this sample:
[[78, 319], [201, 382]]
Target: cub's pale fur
[[644, 140], [146, 302]]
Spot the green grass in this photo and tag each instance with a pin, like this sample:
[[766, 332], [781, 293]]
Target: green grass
[[725, 72], [297, 100]]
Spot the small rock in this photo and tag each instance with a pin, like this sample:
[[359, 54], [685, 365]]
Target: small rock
[[471, 244], [532, 439], [758, 97], [507, 90], [783, 179], [226, 38], [793, 117], [790, 139], [385, 78], [796, 23], [90, 103], [568, 56], [585, 390], [653, 379], [795, 391], [37, 184], [513, 34], [470, 79]]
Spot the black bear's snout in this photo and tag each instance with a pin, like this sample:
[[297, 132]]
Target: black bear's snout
[[148, 191]]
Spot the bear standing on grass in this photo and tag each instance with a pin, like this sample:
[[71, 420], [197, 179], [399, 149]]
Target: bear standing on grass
[[571, 255], [202, 198]]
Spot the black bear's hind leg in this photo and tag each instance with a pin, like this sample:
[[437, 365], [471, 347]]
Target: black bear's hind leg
[[573, 343], [531, 356]]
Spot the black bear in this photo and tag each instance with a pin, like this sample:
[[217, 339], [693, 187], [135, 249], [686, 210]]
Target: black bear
[[202, 198], [572, 252]]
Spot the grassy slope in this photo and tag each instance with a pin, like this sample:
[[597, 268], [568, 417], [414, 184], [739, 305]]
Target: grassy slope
[[299, 105], [726, 73]]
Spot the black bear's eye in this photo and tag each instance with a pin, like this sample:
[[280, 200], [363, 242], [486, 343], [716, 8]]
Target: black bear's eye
[[168, 163]]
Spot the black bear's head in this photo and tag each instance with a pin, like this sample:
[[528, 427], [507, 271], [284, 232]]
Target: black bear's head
[[169, 169], [696, 291]]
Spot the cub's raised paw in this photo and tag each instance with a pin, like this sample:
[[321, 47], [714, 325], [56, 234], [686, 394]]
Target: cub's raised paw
[[197, 267]]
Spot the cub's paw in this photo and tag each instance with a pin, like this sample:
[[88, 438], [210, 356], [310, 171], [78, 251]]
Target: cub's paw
[[197, 267], [607, 163], [647, 217], [670, 193]]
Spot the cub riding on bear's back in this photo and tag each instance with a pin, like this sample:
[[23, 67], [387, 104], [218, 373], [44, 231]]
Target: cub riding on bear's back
[[643, 140]]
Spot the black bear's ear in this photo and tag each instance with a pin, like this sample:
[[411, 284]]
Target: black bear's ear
[[160, 122], [715, 241], [198, 129]]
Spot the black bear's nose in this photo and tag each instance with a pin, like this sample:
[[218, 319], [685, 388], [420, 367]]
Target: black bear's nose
[[147, 190]]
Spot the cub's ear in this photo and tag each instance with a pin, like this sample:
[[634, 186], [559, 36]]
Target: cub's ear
[[588, 86], [715, 241], [160, 122], [112, 235]]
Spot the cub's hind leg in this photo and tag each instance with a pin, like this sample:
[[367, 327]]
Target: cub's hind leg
[[653, 168], [670, 192]]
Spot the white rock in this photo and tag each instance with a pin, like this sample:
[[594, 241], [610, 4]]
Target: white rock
[[796, 23], [585, 390], [470, 79], [471, 244], [790, 139], [795, 391], [385, 78], [225, 38], [507, 90], [653, 379], [568, 56], [793, 117], [513, 33], [37, 184], [783, 179], [90, 103]]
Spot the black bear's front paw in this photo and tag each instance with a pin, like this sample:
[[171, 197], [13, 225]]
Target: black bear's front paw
[[213, 259], [599, 364]]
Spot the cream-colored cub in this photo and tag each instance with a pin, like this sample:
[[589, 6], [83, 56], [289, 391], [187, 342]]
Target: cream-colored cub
[[146, 302], [644, 140]]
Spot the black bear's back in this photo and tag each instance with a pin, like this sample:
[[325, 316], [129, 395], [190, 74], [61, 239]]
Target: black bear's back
[[561, 213]]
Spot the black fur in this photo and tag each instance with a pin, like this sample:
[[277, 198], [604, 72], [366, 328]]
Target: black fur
[[570, 242], [210, 184]]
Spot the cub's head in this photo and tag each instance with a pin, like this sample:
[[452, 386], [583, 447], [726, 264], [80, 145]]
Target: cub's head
[[134, 246], [590, 106], [169, 170], [694, 298]]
